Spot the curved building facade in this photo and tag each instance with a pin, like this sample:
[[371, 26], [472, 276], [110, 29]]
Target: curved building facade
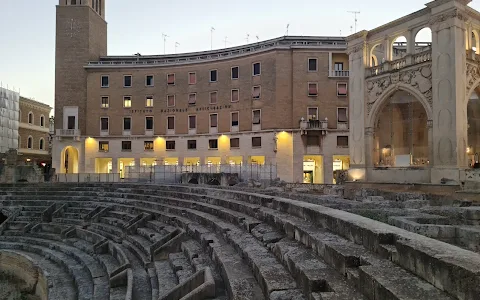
[[281, 102]]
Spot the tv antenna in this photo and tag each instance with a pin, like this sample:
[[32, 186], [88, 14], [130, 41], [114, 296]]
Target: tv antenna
[[225, 41], [258, 39], [211, 37], [164, 41], [288, 25], [176, 45], [356, 20], [248, 36]]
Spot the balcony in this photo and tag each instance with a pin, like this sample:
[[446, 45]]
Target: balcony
[[313, 124], [68, 133], [339, 73], [342, 125]]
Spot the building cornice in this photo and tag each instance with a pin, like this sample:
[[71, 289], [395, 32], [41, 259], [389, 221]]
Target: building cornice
[[35, 104], [283, 43], [33, 127]]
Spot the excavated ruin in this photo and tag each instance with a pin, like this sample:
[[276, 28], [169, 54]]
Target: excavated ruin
[[130, 241]]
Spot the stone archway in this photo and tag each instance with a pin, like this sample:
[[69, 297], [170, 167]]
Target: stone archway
[[401, 136], [69, 161], [473, 126]]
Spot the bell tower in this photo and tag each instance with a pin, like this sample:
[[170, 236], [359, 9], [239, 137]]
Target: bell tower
[[81, 36]]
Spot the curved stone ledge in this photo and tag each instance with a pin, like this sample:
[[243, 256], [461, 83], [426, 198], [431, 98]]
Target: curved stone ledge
[[24, 268]]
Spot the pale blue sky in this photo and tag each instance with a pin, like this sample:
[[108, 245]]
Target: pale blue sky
[[27, 35]]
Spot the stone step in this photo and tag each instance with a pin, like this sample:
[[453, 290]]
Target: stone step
[[151, 234], [141, 280], [63, 286], [141, 243], [142, 257], [113, 221], [311, 273], [181, 266], [81, 276], [166, 277]]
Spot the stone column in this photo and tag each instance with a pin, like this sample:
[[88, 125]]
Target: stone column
[[410, 42], [448, 87], [387, 47], [330, 63], [430, 142], [115, 165], [358, 55]]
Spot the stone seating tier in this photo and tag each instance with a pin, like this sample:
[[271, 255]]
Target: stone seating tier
[[151, 241]]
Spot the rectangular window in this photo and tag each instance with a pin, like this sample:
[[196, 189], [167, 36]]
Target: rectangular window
[[171, 79], [192, 78], [312, 65], [313, 140], [126, 145], [170, 145], [148, 123], [235, 143], [312, 89], [256, 92], [149, 80], [103, 146], [104, 124], [235, 72], [213, 144], [191, 144], [105, 103], [149, 101], [127, 80], [338, 66], [213, 75], [256, 69], [171, 123], [105, 81], [213, 120], [192, 99], [235, 94], [312, 113], [342, 116], [127, 123], [213, 97], [192, 122], [256, 142], [170, 100], [148, 145], [342, 141], [342, 89], [127, 101], [256, 116], [234, 118], [70, 122]]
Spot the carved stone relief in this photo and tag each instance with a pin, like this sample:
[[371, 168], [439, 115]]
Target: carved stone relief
[[455, 13], [472, 74], [419, 78]]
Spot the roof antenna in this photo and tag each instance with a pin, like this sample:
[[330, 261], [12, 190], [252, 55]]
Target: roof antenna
[[258, 39], [211, 37], [176, 45], [164, 41], [288, 25], [355, 13], [248, 36]]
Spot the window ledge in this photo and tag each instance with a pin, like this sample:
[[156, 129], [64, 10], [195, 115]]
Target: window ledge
[[125, 150]]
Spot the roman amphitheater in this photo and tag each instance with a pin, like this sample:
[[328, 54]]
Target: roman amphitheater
[[141, 241]]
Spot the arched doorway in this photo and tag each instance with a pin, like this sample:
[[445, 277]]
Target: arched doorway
[[69, 162], [401, 132], [473, 127]]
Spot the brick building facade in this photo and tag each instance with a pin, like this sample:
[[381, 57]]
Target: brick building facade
[[282, 102], [34, 124]]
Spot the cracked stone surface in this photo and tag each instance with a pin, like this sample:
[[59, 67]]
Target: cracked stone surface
[[99, 241]]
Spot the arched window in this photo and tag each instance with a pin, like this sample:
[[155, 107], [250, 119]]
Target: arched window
[[73, 2], [30, 118], [42, 144], [30, 142], [42, 121]]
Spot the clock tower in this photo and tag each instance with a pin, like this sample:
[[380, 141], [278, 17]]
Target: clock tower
[[81, 36]]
